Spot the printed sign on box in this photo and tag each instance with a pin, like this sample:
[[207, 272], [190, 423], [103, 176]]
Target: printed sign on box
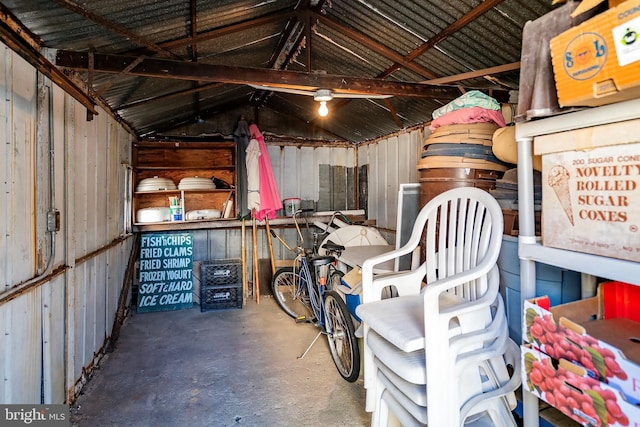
[[591, 191], [597, 62], [584, 399], [166, 272]]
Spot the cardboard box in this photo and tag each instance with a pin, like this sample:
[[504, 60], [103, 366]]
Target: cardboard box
[[568, 388], [606, 348], [586, 5], [591, 190], [598, 61]]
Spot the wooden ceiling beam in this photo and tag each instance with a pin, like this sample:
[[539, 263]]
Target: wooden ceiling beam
[[230, 29], [284, 46], [168, 69], [467, 18], [375, 46], [112, 26], [394, 113], [474, 74], [22, 41]]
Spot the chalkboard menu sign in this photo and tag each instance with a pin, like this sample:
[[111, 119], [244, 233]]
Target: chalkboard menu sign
[[166, 272]]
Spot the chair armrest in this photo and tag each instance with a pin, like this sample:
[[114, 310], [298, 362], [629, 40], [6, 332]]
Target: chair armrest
[[439, 286], [512, 356], [405, 282], [369, 264], [483, 335]]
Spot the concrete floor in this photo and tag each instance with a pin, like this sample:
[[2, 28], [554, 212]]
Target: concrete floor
[[233, 367]]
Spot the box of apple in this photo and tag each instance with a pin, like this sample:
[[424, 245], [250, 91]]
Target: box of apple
[[608, 350], [568, 388]]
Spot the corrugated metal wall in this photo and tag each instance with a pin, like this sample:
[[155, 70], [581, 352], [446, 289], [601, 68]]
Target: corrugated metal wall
[[58, 290], [299, 173], [297, 170], [391, 162]]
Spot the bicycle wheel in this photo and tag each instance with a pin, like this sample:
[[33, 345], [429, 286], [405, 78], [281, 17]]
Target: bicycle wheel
[[342, 337], [290, 291], [335, 279]]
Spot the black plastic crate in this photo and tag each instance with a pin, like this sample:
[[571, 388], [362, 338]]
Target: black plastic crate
[[219, 297], [222, 272]]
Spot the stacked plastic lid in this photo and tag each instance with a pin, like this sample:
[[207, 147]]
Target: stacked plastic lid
[[153, 214], [462, 146], [506, 191], [196, 183], [155, 184], [203, 214]]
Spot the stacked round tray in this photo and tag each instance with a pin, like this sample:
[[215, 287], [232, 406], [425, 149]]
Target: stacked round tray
[[155, 184], [153, 214], [203, 214], [196, 183]]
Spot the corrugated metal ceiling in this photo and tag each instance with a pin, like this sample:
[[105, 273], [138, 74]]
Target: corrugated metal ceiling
[[392, 41]]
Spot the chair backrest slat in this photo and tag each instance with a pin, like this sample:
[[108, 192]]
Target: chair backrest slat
[[457, 229]]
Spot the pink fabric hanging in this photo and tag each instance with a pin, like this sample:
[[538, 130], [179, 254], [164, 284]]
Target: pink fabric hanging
[[270, 201]]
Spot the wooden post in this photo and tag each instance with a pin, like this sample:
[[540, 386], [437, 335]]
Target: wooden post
[[244, 264], [256, 284]]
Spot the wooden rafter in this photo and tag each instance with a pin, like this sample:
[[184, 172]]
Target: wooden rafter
[[394, 113], [467, 18], [406, 60], [375, 46], [116, 28], [193, 47], [260, 96], [179, 70], [474, 74], [230, 29], [21, 40], [168, 96]]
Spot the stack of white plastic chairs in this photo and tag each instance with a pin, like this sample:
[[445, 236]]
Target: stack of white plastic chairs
[[439, 354]]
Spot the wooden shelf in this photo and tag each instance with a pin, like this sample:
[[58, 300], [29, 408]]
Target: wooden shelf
[[169, 167], [216, 190], [233, 223], [179, 160]]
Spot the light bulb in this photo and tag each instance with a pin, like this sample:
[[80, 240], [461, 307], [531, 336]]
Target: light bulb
[[323, 110]]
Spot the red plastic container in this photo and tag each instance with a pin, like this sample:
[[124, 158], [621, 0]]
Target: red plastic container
[[621, 300]]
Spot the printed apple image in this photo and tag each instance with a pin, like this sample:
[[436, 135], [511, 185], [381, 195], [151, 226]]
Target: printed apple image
[[629, 37]]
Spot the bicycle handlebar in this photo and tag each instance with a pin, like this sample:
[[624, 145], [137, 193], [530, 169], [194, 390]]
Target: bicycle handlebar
[[299, 211], [299, 247], [333, 216]]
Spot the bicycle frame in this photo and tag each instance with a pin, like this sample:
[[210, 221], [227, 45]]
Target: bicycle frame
[[306, 290], [308, 279]]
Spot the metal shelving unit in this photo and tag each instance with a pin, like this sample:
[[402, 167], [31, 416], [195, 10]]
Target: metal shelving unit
[[530, 250]]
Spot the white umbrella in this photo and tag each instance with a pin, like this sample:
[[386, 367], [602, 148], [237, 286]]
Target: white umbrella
[[253, 175]]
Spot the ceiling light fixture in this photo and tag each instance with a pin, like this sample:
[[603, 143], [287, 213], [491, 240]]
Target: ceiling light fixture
[[323, 110], [323, 96]]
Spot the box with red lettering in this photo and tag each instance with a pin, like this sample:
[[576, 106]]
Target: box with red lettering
[[591, 189]]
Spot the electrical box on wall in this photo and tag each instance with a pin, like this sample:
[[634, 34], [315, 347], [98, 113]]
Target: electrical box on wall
[[53, 220]]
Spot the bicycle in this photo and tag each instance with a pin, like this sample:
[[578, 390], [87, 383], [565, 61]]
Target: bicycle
[[306, 293]]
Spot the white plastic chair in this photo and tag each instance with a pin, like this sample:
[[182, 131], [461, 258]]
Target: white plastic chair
[[449, 294], [485, 386], [492, 407]]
